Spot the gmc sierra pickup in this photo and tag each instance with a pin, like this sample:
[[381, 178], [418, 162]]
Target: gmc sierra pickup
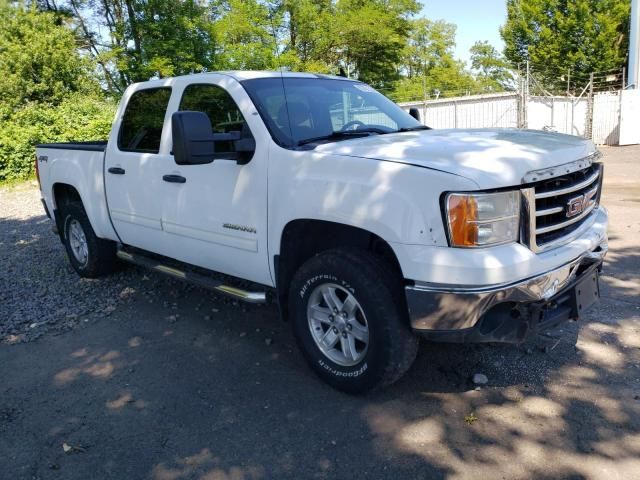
[[367, 228]]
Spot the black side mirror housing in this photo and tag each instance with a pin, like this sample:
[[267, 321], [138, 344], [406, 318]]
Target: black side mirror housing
[[193, 142], [415, 113], [245, 148]]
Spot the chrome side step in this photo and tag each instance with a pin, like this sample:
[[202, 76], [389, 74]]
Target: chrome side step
[[192, 277]]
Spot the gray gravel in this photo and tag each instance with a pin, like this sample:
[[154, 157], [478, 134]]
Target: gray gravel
[[40, 291]]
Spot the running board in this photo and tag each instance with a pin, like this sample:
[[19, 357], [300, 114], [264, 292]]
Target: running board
[[191, 277]]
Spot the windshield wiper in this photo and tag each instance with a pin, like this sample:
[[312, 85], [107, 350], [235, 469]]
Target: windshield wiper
[[413, 129], [341, 134]]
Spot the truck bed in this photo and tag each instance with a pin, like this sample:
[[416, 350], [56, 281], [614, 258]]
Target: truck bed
[[91, 146], [78, 165]]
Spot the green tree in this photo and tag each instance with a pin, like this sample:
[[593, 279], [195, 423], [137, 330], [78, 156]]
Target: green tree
[[493, 69], [370, 38], [556, 36], [310, 40], [363, 38], [429, 67], [38, 59], [430, 45], [244, 36], [169, 38], [135, 40], [48, 91]]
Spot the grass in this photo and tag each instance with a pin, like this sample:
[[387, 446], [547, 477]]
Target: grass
[[16, 183]]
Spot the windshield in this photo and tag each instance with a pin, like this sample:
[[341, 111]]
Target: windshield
[[299, 111]]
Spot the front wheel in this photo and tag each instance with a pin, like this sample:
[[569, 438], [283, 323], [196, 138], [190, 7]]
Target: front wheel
[[350, 322]]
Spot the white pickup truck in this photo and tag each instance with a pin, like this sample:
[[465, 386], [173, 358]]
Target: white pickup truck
[[367, 228]]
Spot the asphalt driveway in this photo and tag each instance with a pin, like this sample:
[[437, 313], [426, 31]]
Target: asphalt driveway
[[137, 376]]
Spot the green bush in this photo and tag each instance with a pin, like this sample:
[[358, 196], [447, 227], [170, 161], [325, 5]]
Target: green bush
[[77, 118], [48, 91]]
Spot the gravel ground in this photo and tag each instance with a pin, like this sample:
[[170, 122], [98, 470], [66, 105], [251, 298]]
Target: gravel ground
[[157, 379], [40, 292]]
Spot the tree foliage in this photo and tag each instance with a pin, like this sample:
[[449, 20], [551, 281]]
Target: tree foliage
[[134, 40], [243, 35], [493, 69], [307, 32], [371, 36], [48, 92], [77, 118], [38, 60], [556, 36], [378, 41], [63, 62], [431, 71]]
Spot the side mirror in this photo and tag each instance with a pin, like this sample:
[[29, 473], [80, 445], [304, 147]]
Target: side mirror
[[192, 138], [245, 148], [415, 113]]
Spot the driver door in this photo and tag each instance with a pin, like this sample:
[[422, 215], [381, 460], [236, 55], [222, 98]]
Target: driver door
[[217, 218]]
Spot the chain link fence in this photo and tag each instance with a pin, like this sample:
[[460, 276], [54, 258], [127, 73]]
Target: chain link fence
[[589, 107]]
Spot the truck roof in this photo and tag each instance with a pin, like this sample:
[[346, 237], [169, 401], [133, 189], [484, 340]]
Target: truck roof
[[251, 74], [241, 75]]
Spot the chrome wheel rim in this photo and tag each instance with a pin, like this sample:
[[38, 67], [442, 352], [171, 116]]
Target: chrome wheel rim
[[338, 324], [78, 242]]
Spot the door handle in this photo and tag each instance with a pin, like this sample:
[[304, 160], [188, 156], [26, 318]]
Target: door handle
[[116, 170], [174, 178]]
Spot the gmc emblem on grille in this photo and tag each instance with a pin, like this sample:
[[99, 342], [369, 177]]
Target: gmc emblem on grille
[[577, 205]]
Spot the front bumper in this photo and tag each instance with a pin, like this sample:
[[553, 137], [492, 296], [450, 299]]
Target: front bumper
[[506, 312]]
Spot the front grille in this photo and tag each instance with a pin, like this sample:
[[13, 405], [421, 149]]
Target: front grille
[[562, 205]]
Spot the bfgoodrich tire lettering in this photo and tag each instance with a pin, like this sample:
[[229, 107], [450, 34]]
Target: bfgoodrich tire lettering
[[391, 347]]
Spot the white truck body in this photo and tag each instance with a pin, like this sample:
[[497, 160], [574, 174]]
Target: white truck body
[[230, 218]]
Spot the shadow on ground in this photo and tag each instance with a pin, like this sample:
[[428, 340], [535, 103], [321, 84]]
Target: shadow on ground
[[156, 379], [176, 383]]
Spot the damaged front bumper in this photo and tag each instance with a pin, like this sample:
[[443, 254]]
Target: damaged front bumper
[[509, 312]]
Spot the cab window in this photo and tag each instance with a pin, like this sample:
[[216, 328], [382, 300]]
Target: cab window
[[141, 128], [222, 110]]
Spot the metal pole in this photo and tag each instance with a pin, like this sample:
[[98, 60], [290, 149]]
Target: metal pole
[[424, 89], [568, 81], [455, 114], [424, 78], [526, 98], [634, 45], [522, 120], [589, 126]]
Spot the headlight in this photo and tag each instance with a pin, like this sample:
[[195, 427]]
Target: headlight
[[483, 219]]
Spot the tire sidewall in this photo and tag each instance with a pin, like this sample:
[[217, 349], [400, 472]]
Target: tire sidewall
[[368, 372], [74, 212]]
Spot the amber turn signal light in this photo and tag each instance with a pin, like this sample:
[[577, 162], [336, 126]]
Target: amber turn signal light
[[463, 214]]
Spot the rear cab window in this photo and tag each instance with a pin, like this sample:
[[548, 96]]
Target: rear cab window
[[143, 119]]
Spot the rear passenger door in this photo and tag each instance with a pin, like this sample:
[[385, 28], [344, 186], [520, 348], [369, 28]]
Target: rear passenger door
[[137, 157]]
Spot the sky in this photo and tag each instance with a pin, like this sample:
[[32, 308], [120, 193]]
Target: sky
[[476, 20]]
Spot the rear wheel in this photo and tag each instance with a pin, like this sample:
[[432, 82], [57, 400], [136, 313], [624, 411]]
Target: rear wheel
[[89, 255], [350, 321]]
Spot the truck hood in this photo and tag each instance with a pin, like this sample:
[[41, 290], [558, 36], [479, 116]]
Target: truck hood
[[491, 158]]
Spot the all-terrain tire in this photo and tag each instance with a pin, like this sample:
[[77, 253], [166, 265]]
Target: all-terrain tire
[[100, 256], [377, 288]]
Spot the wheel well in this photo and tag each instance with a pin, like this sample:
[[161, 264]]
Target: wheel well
[[303, 239], [63, 194]]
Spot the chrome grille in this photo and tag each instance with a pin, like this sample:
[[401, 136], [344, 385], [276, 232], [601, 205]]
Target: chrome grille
[[560, 206]]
